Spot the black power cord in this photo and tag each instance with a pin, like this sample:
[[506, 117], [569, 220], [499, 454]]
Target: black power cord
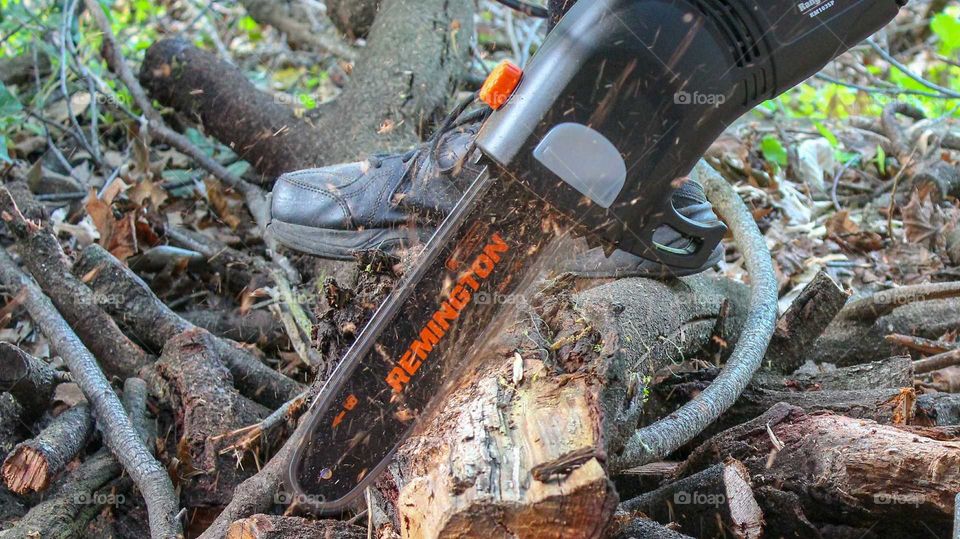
[[529, 9]]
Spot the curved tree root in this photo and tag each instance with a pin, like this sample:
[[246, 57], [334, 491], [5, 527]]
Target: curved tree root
[[665, 436]]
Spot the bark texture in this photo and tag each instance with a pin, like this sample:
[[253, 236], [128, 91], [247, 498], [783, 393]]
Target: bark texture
[[844, 471], [30, 380], [279, 527], [206, 406]]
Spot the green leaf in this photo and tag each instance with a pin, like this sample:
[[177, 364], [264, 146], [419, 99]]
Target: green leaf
[[8, 102], [827, 134], [773, 150], [947, 28], [4, 153], [881, 161]]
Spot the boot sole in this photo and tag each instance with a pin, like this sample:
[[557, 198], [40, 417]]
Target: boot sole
[[343, 244]]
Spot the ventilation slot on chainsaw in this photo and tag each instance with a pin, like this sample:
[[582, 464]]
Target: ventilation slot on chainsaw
[[743, 47], [756, 87]]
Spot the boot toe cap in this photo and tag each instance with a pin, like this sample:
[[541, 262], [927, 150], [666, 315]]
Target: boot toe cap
[[311, 198]]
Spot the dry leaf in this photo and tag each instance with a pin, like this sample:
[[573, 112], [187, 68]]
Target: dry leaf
[[102, 216], [218, 200], [147, 190]]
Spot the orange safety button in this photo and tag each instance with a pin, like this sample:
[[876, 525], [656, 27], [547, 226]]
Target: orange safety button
[[500, 84]]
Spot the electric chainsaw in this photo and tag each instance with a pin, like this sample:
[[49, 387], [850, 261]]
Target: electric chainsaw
[[592, 138]]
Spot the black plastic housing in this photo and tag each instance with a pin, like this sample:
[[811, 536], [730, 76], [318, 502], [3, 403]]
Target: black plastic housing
[[661, 80]]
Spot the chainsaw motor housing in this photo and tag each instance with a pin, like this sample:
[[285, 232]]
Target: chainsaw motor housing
[[625, 96]]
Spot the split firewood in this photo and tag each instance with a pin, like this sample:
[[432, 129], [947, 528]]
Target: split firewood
[[845, 471], [206, 405], [281, 527], [155, 323], [46, 261], [809, 314], [715, 502], [33, 464], [30, 380]]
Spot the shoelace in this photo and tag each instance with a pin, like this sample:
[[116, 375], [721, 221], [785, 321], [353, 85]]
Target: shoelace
[[454, 119]]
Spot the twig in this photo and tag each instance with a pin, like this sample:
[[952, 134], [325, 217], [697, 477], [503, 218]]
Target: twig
[[118, 431], [926, 346], [937, 362], [884, 302], [656, 441], [906, 71]]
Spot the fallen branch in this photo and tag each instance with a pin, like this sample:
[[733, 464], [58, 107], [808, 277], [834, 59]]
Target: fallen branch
[[65, 513], [155, 323], [44, 258], [118, 431], [883, 303], [937, 362], [282, 527], [30, 380], [33, 464], [663, 437]]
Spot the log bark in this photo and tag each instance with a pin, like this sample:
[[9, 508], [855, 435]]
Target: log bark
[[11, 415], [33, 464], [147, 317], [845, 471], [804, 321], [848, 341], [255, 327], [712, 503], [206, 406], [415, 55], [77, 499], [30, 380], [642, 528], [895, 372], [280, 527]]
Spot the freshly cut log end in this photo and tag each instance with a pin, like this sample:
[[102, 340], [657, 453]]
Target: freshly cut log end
[[26, 470], [280, 527]]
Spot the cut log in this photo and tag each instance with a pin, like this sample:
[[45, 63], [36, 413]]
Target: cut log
[[30, 380], [809, 314], [206, 407], [474, 467], [845, 471], [715, 502], [280, 527], [33, 464]]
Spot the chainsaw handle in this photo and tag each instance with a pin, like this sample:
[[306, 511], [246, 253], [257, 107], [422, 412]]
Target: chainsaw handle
[[625, 96]]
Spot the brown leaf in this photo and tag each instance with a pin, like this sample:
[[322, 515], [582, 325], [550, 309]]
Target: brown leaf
[[146, 190], [221, 205], [102, 216], [123, 243], [924, 222]]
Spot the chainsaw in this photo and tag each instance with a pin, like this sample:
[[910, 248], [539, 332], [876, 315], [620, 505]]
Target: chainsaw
[[592, 138]]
